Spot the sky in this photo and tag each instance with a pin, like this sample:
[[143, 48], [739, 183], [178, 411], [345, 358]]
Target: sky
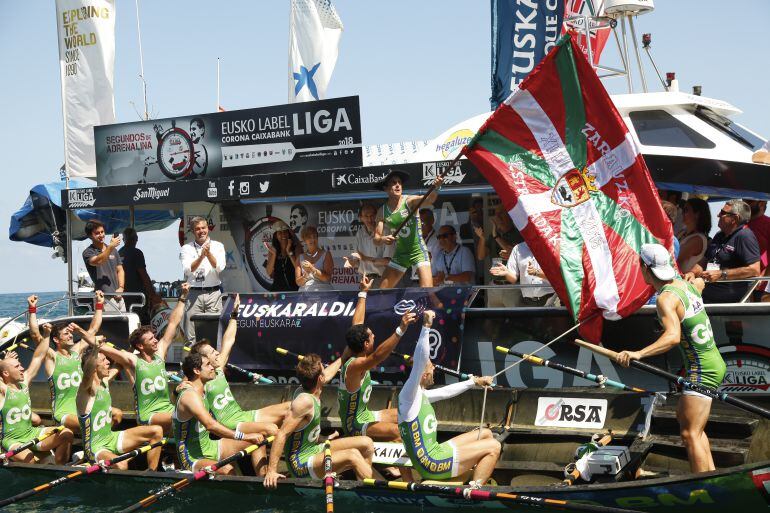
[[418, 68]]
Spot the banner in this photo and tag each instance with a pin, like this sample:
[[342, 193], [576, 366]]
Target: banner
[[314, 39], [86, 33], [296, 137], [252, 227], [316, 322], [575, 185], [523, 31]]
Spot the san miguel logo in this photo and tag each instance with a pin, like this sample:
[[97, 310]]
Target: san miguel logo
[[573, 188]]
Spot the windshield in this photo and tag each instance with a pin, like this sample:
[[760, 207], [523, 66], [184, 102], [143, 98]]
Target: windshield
[[731, 129]]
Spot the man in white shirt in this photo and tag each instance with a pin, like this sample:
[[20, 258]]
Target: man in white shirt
[[453, 263], [369, 258], [523, 268], [202, 261]]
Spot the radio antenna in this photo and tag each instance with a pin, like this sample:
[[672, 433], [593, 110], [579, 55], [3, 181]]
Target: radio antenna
[[141, 62]]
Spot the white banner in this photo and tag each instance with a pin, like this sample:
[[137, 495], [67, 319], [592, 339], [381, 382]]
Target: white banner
[[314, 38], [574, 412], [87, 60]]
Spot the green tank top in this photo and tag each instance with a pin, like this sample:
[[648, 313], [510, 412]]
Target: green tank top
[[16, 416], [699, 349], [151, 388], [353, 404], [419, 434], [219, 397], [191, 436], [64, 383], [96, 426], [410, 235], [302, 443]]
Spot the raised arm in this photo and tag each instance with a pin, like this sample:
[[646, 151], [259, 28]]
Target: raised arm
[[228, 337], [34, 330], [411, 388], [359, 366], [90, 357], [301, 409], [414, 201], [173, 322], [123, 358], [333, 368], [359, 314], [37, 360]]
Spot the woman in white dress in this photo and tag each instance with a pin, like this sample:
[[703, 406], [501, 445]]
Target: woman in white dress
[[693, 244], [315, 266]]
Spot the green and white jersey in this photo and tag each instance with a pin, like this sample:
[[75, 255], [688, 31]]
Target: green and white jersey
[[303, 443], [410, 248], [702, 359], [96, 426], [151, 389], [64, 383], [16, 417], [354, 406], [221, 402], [193, 442]]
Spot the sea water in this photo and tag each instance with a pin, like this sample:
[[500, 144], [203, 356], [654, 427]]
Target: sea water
[[14, 304]]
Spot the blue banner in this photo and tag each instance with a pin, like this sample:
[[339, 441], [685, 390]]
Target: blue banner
[[316, 322], [523, 31]]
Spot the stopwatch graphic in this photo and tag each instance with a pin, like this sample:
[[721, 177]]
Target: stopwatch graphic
[[176, 152]]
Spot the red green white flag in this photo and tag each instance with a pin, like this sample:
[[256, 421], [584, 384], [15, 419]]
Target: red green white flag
[[572, 179]]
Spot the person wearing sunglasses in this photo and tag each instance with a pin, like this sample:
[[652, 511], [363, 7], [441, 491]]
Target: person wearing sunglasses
[[733, 254], [453, 263]]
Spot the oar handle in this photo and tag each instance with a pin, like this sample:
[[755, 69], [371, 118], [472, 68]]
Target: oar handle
[[446, 370], [251, 375], [328, 477], [286, 352]]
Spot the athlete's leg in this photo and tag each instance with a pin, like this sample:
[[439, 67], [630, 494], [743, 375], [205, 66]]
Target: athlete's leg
[[390, 278], [383, 431], [35, 419], [265, 428], [273, 413], [71, 422], [473, 452], [117, 416], [228, 447], [163, 420], [423, 272], [692, 414], [360, 459], [60, 443], [138, 436]]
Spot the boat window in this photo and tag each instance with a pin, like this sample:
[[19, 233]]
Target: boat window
[[731, 129], [659, 128]]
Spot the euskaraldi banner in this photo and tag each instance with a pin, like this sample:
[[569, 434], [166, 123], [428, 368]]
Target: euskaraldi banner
[[316, 322], [305, 136], [86, 34]]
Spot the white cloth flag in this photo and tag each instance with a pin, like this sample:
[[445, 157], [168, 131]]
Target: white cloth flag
[[87, 60], [314, 38]]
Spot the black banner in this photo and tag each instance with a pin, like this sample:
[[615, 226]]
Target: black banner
[[316, 322], [324, 134]]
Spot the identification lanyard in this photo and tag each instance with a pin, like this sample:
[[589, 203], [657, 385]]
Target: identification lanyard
[[448, 266]]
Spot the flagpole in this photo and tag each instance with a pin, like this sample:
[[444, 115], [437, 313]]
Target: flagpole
[[218, 103], [141, 61]]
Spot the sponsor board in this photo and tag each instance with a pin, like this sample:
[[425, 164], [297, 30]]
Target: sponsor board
[[391, 453], [80, 198], [452, 175], [574, 412]]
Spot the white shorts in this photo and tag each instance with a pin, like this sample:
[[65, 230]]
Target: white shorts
[[693, 393]]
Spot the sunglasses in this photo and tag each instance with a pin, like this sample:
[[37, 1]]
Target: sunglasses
[[444, 235], [725, 213]]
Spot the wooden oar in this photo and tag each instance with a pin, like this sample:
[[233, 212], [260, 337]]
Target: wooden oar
[[328, 477], [600, 380], [572, 472], [446, 370], [196, 476], [256, 378], [486, 495], [83, 472], [679, 380], [4, 457]]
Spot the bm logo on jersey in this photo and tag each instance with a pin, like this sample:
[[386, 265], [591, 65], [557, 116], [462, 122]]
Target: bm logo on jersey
[[573, 188]]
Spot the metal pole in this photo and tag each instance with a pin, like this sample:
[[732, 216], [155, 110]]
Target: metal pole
[[587, 30], [70, 303], [131, 216], [625, 53], [636, 50], [141, 62], [218, 102]]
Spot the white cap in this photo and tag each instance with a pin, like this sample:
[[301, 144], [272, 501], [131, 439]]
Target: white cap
[[658, 259]]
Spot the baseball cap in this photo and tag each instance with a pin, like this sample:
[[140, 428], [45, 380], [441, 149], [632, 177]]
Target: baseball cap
[[658, 259]]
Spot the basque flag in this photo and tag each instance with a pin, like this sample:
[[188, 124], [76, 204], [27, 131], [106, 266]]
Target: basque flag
[[572, 179]]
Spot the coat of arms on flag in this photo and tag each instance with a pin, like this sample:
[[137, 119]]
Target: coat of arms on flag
[[572, 179]]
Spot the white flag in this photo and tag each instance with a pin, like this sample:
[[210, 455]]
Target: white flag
[[87, 61], [314, 40]]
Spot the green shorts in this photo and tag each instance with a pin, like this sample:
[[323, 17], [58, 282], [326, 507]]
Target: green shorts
[[300, 463], [243, 416], [188, 460], [11, 443], [145, 418], [113, 444], [356, 425], [440, 463], [405, 257]]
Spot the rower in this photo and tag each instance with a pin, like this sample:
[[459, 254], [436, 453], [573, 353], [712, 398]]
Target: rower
[[302, 427], [220, 398], [16, 412], [418, 424], [355, 386], [193, 423], [63, 365], [94, 407], [686, 324], [147, 369]]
